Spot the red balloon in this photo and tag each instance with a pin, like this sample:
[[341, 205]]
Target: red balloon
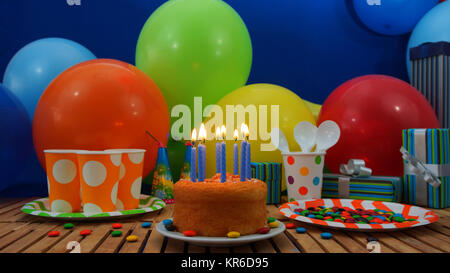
[[372, 111], [101, 104]]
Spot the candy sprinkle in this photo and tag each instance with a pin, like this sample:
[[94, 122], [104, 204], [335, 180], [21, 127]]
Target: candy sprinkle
[[326, 235], [274, 224], [290, 225], [233, 234], [263, 230], [146, 224], [116, 226], [85, 232], [116, 233], [68, 225], [132, 238], [53, 233], [170, 227], [300, 230], [167, 222], [189, 233], [271, 219]]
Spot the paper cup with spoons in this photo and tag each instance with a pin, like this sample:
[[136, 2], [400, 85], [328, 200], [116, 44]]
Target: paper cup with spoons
[[304, 170]]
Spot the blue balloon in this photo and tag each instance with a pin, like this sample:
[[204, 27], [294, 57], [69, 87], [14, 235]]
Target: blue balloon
[[392, 17], [433, 27], [15, 136], [34, 66]]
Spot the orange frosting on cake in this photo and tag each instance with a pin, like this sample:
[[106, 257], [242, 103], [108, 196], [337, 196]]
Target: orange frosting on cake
[[212, 208]]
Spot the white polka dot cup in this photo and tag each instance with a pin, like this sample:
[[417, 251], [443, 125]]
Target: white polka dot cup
[[63, 180], [130, 179], [304, 172], [99, 179]]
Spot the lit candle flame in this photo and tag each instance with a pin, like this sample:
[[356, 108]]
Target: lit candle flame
[[202, 132], [236, 135], [244, 130], [224, 132], [218, 134], [194, 136]]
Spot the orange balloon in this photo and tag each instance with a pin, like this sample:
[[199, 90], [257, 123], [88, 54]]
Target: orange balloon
[[101, 104]]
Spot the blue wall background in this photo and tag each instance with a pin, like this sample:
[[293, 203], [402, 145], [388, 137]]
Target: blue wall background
[[307, 46]]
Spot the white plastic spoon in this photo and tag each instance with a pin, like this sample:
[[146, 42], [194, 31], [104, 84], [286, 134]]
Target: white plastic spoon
[[327, 135], [305, 135], [278, 139]]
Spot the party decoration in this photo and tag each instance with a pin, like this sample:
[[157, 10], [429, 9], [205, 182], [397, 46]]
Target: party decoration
[[433, 27], [162, 186], [15, 141], [186, 168], [209, 48], [101, 104], [426, 156], [372, 111], [392, 17], [34, 66], [270, 173], [314, 108], [291, 110]]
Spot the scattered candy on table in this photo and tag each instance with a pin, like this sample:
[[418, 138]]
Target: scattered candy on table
[[170, 227], [85, 232], [146, 224], [357, 216], [233, 234], [274, 224], [53, 233], [290, 225], [326, 235], [68, 225], [167, 222], [189, 233], [263, 230], [116, 233], [132, 238], [300, 230], [271, 219], [116, 225]]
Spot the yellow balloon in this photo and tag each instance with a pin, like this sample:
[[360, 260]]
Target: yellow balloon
[[314, 108], [292, 110]]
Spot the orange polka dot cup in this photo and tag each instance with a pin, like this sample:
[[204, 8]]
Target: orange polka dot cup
[[304, 173], [63, 180], [99, 179], [130, 178]]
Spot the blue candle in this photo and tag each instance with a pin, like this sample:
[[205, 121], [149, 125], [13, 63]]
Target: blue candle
[[235, 154], [243, 160], [201, 162], [248, 165], [218, 155], [193, 157], [223, 161]]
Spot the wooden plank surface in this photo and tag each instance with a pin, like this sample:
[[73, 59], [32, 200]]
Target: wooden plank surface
[[28, 234]]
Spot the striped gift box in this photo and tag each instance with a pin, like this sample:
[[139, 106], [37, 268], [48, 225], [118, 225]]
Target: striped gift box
[[271, 174], [431, 147], [430, 74], [378, 188]]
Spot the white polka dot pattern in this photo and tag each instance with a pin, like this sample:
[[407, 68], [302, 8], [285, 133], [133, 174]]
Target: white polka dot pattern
[[122, 171], [64, 171], [61, 206], [136, 158], [91, 208], [136, 187], [116, 159], [114, 193], [119, 205], [94, 173]]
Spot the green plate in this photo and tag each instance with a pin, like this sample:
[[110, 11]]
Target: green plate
[[41, 208]]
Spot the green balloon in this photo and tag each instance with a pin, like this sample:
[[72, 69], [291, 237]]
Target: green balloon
[[195, 48]]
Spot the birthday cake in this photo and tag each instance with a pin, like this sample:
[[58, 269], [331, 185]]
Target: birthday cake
[[212, 208]]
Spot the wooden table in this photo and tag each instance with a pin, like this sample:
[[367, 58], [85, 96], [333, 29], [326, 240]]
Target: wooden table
[[27, 234]]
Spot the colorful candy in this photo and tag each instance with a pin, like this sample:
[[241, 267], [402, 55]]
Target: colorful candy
[[274, 224], [233, 234], [167, 222], [53, 233], [146, 224], [300, 230], [68, 225], [116, 233], [357, 216], [271, 219], [290, 225], [85, 232], [116, 225], [326, 235], [263, 230], [189, 233], [132, 238], [170, 227]]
